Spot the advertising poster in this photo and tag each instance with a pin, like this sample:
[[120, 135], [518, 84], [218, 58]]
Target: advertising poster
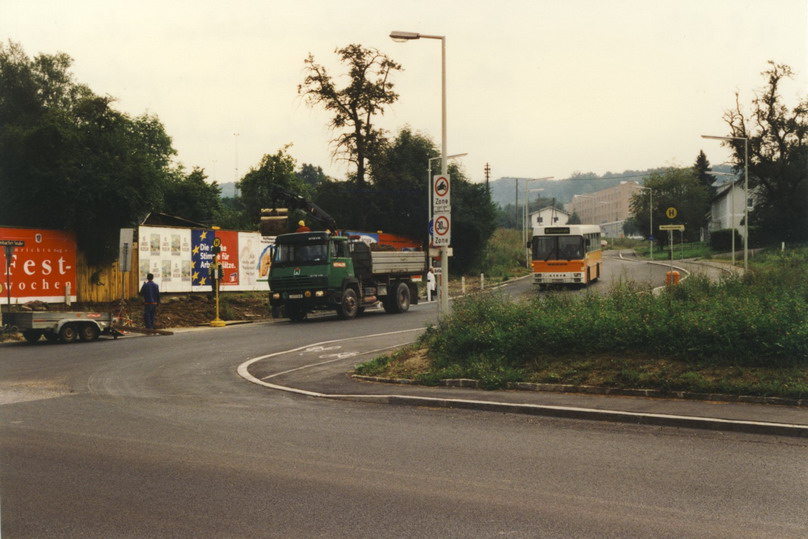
[[201, 259], [249, 252], [42, 268], [228, 258], [166, 253], [181, 258]]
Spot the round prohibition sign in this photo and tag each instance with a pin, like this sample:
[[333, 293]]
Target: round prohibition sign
[[442, 225], [442, 186]]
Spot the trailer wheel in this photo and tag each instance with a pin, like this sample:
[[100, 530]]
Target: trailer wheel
[[68, 333], [349, 307], [88, 332], [31, 335]]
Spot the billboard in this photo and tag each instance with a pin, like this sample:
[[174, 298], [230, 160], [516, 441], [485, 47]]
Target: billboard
[[42, 268], [181, 258]]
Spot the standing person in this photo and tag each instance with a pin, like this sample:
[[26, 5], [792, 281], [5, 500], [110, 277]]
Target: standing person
[[151, 298], [430, 285]]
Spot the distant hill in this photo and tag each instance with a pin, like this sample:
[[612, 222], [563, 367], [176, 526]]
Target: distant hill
[[503, 190], [228, 189]]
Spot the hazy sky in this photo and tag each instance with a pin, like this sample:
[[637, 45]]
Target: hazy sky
[[535, 87]]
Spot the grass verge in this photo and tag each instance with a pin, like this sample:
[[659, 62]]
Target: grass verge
[[745, 335]]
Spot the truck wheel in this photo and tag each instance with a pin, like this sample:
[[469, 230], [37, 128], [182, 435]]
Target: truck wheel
[[88, 332], [400, 302], [31, 335], [68, 333], [296, 313], [349, 307]]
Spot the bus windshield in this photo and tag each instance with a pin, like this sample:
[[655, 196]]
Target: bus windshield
[[558, 248], [300, 254]]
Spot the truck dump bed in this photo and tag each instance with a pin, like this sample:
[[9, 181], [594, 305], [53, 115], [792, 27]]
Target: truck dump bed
[[395, 262]]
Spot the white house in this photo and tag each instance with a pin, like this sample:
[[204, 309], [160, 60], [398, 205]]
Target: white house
[[727, 206], [549, 216]]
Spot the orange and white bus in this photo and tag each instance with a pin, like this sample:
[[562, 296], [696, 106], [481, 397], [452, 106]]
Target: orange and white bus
[[569, 254]]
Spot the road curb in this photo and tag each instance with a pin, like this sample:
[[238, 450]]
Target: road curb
[[565, 412]]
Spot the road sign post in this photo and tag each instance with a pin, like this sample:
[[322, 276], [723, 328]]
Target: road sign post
[[670, 229], [442, 236], [441, 194], [9, 246]]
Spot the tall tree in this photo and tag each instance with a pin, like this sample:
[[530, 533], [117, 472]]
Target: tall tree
[[68, 160], [191, 197], [367, 93], [778, 157], [676, 188], [401, 185], [702, 170], [260, 187], [311, 175], [473, 222]]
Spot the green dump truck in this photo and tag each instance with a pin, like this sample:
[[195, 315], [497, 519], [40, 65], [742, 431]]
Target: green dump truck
[[319, 271]]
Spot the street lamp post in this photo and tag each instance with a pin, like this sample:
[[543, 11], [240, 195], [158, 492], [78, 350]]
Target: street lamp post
[[443, 292], [745, 194], [731, 206], [526, 216], [650, 222]]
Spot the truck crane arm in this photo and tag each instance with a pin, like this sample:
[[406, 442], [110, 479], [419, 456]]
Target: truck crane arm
[[297, 202]]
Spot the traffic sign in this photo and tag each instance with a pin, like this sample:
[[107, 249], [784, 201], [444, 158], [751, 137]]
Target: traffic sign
[[443, 229], [12, 243], [441, 187], [671, 227], [671, 213]]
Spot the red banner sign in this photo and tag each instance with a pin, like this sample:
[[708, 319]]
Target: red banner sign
[[42, 268]]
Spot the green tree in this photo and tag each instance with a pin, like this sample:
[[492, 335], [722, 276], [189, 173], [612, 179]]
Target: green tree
[[68, 160], [353, 107], [778, 158], [702, 170], [401, 185], [473, 223], [191, 197], [311, 175], [261, 186], [676, 188]]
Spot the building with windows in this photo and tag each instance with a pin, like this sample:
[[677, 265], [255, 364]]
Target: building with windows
[[549, 216], [727, 206], [608, 208]]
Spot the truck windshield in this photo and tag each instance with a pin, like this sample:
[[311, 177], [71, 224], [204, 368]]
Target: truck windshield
[[299, 253], [558, 248]]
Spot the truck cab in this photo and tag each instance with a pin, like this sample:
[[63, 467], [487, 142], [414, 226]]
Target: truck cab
[[320, 270]]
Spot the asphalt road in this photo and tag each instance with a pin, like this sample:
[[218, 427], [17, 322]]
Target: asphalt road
[[160, 437]]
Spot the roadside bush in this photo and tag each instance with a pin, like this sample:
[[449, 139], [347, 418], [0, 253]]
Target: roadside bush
[[758, 320]]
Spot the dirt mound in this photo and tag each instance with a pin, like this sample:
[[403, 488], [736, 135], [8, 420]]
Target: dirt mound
[[177, 311]]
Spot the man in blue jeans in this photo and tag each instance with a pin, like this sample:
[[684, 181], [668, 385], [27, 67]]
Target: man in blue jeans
[[151, 298]]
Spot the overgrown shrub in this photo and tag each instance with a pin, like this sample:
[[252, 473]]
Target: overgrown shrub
[[759, 319]]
